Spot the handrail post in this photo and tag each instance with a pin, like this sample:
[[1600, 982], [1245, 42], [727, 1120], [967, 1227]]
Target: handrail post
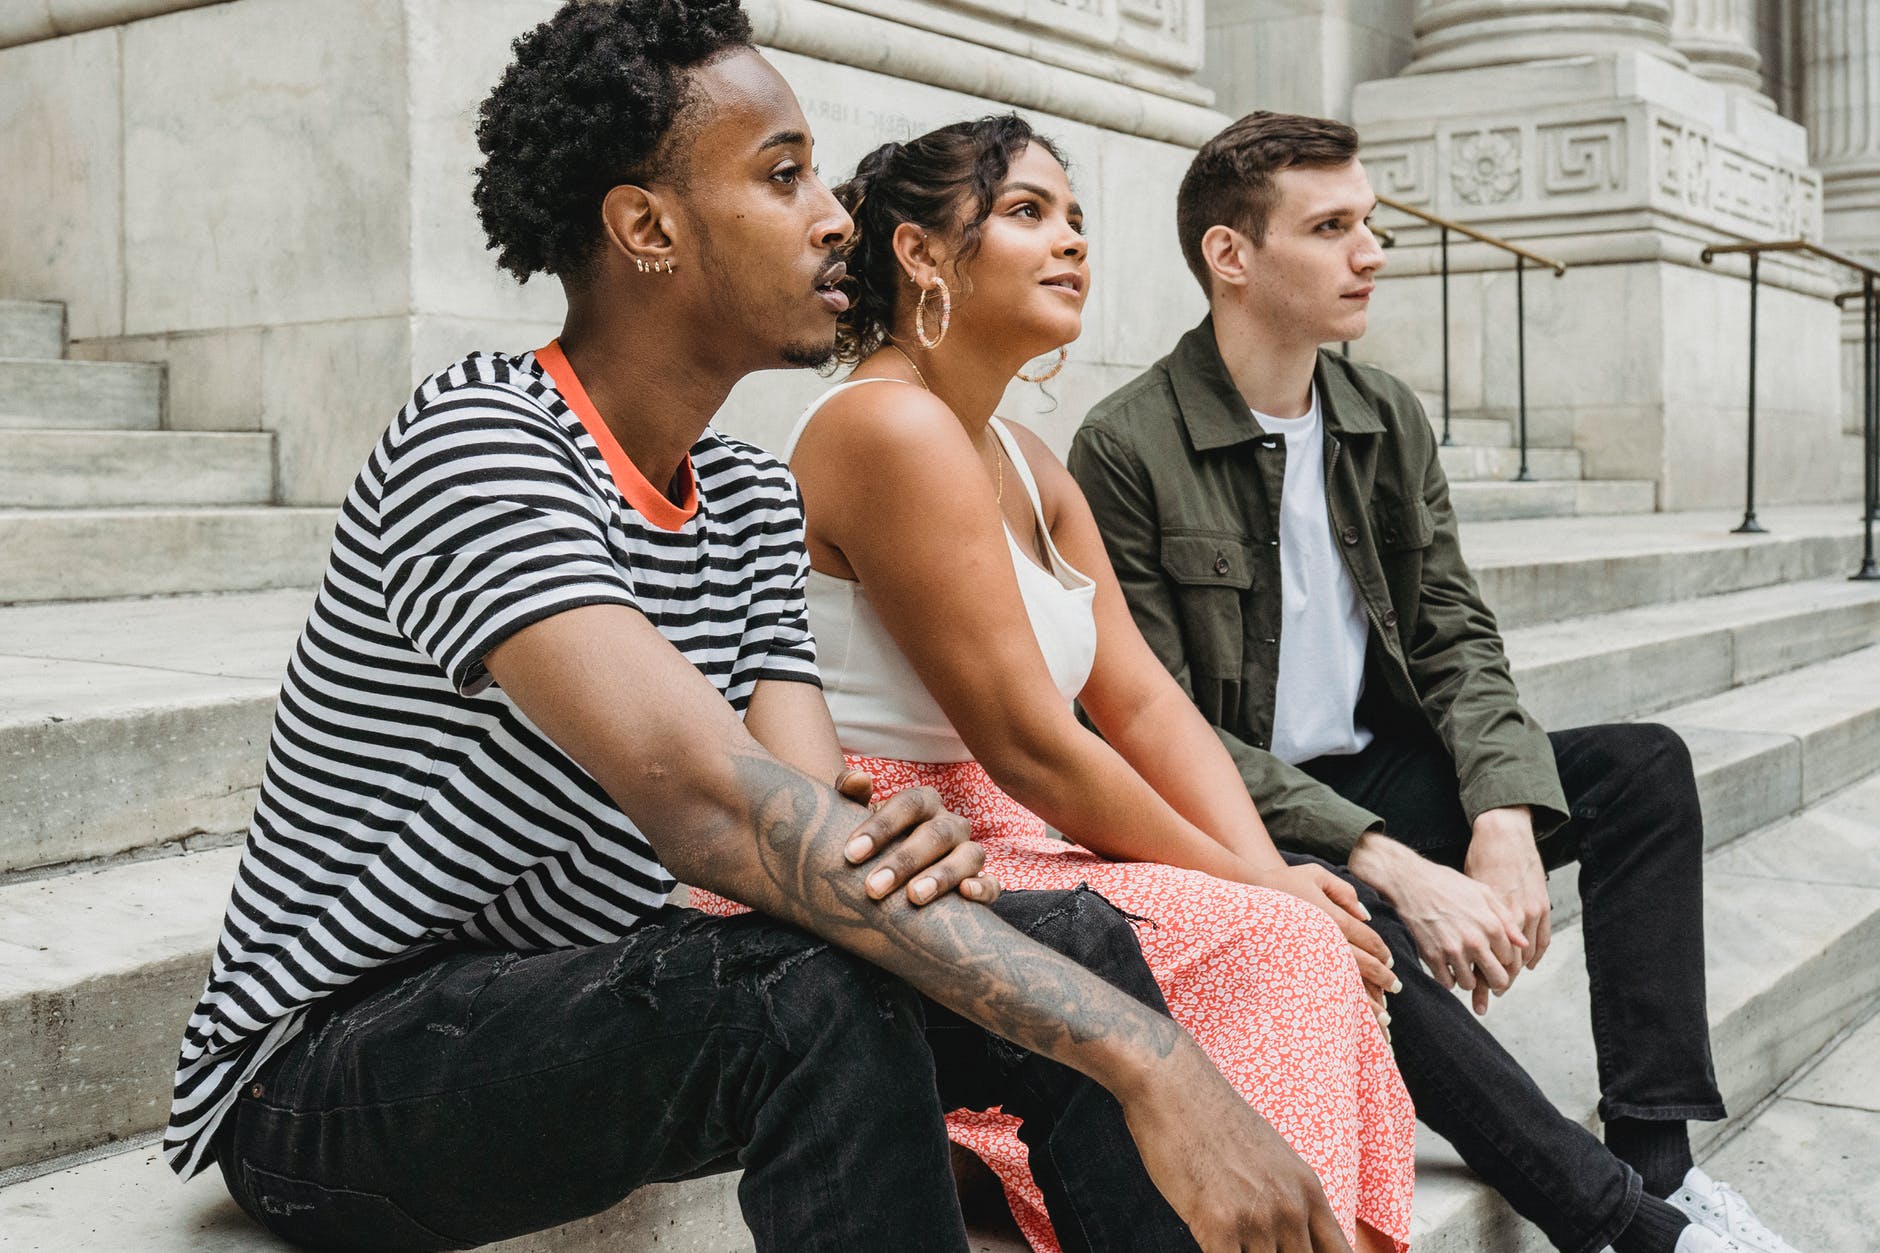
[[1520, 357], [1445, 250], [1869, 427], [1870, 440], [1749, 525]]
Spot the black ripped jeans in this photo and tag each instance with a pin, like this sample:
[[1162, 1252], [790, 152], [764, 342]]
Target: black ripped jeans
[[1638, 835], [470, 1096]]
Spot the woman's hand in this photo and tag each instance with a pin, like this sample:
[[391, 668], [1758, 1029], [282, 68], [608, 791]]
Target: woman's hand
[[937, 857], [1319, 886]]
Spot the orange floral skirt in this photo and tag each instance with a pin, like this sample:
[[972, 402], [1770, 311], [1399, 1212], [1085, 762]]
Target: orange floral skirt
[[1263, 981]]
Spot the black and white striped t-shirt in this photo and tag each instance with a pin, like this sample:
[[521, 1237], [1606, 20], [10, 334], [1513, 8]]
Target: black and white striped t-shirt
[[406, 801]]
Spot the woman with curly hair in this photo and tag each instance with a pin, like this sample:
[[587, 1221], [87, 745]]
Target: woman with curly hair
[[962, 600]]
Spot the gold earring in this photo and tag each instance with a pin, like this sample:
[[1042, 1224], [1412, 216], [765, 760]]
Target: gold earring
[[1064, 354], [946, 314]]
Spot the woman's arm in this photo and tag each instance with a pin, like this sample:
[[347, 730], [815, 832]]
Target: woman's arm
[[892, 483], [1152, 723], [1135, 703]]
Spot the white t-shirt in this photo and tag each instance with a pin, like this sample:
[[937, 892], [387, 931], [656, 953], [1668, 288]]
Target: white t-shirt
[[1323, 629]]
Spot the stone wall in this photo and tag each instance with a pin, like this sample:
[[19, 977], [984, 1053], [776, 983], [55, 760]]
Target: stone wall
[[273, 197]]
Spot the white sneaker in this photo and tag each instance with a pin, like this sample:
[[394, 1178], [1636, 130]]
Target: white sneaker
[[1695, 1239], [1721, 1210]]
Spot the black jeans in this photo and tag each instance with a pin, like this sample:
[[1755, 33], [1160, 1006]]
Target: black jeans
[[470, 1095], [1638, 834]]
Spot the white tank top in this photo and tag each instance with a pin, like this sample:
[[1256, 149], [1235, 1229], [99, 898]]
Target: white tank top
[[880, 706]]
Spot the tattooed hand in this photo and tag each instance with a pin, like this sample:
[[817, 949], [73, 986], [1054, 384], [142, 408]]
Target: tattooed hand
[[1232, 1178]]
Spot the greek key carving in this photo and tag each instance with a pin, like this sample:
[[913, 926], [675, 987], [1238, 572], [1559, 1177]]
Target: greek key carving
[[1402, 170], [1583, 157]]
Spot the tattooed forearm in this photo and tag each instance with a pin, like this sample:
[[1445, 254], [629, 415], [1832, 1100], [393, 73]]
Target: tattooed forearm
[[956, 952]]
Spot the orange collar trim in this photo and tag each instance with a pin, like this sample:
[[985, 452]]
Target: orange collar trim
[[642, 497]]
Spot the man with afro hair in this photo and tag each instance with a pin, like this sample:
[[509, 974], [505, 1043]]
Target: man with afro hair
[[560, 663]]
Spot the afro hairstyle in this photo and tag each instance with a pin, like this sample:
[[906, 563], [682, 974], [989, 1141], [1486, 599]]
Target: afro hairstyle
[[592, 100]]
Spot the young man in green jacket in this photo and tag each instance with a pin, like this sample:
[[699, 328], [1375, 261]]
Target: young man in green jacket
[[1281, 526]]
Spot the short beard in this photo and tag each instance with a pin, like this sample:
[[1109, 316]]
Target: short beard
[[808, 356]]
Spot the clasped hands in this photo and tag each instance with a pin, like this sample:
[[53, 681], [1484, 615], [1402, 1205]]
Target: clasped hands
[[1479, 928]]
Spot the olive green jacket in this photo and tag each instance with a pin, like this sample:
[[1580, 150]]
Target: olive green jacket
[[1186, 489]]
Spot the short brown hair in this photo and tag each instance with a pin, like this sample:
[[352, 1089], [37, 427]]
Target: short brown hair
[[1230, 181]]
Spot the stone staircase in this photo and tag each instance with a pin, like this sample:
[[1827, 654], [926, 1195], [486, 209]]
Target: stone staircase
[[98, 499], [1483, 459], [132, 734]]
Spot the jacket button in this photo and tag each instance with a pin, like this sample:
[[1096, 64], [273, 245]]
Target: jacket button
[[1390, 617], [1220, 563], [1273, 543], [1349, 535]]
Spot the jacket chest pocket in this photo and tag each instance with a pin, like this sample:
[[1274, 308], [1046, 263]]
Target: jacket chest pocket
[[1405, 530], [1210, 574]]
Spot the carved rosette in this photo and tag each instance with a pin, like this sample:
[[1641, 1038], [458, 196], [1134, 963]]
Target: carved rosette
[[1485, 166]]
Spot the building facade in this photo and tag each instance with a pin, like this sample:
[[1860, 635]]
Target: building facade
[[272, 197]]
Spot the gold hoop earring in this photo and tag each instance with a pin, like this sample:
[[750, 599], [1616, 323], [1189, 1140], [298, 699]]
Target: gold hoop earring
[[1064, 354], [946, 314]]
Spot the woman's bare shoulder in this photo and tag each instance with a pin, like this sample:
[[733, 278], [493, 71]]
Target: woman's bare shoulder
[[882, 410]]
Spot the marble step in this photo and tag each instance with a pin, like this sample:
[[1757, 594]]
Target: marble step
[[162, 706], [1486, 500], [1636, 661], [1808, 1157], [32, 328], [1548, 569], [1488, 432], [1772, 747], [89, 395], [1464, 463], [105, 469], [92, 554], [1790, 913], [130, 723], [1761, 754]]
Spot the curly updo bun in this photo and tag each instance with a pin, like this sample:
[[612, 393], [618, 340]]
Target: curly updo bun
[[944, 181], [590, 102]]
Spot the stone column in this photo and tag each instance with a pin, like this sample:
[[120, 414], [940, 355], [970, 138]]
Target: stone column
[[1841, 108], [1580, 129], [1719, 38], [1463, 34]]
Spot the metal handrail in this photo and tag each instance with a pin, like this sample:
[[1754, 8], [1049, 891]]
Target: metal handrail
[[1870, 382], [1521, 257], [1756, 247], [1434, 219]]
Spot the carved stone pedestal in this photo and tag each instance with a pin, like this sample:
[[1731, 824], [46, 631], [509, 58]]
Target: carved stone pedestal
[[1623, 164]]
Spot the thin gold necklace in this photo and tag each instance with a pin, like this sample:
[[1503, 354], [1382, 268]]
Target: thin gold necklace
[[998, 452]]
